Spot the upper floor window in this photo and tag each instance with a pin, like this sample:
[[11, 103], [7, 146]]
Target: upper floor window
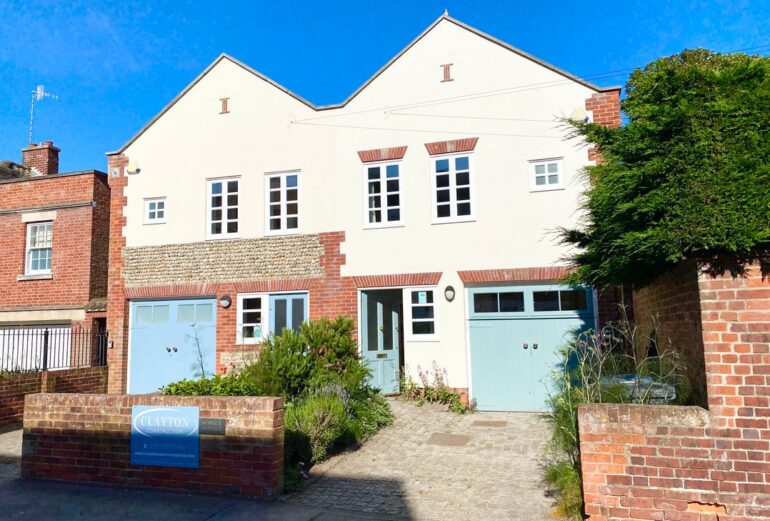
[[282, 203], [39, 248], [383, 195], [223, 208], [546, 174], [155, 210], [452, 189]]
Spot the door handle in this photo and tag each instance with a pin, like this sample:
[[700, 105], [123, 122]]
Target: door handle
[[526, 345], [534, 346]]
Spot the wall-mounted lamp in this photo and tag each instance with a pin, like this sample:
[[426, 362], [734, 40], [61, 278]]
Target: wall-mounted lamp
[[225, 301], [449, 293]]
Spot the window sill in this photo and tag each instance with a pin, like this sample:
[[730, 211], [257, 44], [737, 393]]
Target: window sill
[[278, 233], [549, 189], [151, 223], [426, 338], [385, 226], [453, 220], [39, 276], [222, 238]]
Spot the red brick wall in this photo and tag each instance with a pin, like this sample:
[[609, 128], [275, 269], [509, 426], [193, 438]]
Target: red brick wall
[[671, 309], [605, 107], [687, 463], [14, 387], [79, 437], [43, 157], [79, 242]]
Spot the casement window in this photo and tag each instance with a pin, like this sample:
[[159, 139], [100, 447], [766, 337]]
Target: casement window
[[282, 203], [263, 314], [39, 248], [382, 196], [155, 210], [222, 218], [420, 314], [452, 189], [546, 174], [250, 318]]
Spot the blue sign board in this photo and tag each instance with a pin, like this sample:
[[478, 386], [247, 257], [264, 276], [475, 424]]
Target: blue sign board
[[164, 436]]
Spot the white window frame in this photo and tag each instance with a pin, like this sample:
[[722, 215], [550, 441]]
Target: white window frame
[[453, 217], [407, 298], [147, 210], [28, 250], [533, 187], [224, 234], [383, 165], [239, 339], [283, 230]]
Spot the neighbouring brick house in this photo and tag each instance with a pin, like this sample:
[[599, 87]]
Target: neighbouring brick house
[[242, 209], [53, 270]]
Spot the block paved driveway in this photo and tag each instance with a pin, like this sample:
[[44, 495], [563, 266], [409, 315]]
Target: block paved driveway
[[435, 465], [429, 465]]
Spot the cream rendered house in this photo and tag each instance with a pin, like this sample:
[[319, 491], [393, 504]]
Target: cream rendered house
[[423, 206]]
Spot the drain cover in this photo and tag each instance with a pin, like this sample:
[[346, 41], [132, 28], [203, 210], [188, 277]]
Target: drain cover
[[448, 440], [488, 423]]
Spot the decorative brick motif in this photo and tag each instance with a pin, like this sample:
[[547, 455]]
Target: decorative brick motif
[[87, 438], [397, 281], [14, 387], [382, 154], [450, 147], [266, 258], [513, 274], [686, 463]]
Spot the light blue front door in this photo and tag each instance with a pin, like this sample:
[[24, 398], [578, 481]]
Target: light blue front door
[[171, 340], [287, 310], [515, 336], [381, 336]]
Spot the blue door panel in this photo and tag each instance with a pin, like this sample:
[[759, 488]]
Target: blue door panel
[[380, 337], [514, 348], [171, 340]]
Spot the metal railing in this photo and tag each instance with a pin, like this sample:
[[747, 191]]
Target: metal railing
[[51, 347]]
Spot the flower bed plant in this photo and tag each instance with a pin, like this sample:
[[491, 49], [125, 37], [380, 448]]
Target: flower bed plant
[[318, 370], [433, 389]]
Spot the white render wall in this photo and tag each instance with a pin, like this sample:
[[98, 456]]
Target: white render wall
[[267, 131]]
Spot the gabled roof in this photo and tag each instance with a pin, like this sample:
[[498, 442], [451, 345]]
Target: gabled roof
[[299, 98]]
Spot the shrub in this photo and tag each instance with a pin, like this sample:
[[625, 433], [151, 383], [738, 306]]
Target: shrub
[[589, 371], [433, 391], [329, 403]]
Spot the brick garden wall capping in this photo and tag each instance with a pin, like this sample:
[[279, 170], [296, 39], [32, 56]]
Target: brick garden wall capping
[[14, 387], [81, 437], [688, 463]]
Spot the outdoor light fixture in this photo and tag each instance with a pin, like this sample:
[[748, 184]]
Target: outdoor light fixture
[[449, 293], [225, 301]]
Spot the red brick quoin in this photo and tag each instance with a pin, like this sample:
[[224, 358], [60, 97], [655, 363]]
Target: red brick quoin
[[689, 463]]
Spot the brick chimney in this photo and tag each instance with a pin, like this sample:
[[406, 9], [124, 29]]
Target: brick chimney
[[43, 159]]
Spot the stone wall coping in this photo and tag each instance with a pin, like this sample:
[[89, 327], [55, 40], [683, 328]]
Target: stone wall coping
[[232, 403], [643, 414]]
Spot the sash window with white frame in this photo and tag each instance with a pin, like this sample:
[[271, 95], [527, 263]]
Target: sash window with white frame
[[39, 248], [282, 203], [382, 195], [420, 316], [251, 318], [452, 181], [223, 205]]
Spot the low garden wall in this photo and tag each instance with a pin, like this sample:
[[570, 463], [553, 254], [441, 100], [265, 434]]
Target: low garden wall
[[690, 463], [81, 437], [14, 387]]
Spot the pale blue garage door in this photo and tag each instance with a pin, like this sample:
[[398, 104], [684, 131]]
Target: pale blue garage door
[[170, 340], [515, 335]]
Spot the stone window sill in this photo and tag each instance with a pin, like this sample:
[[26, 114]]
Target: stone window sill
[[42, 276]]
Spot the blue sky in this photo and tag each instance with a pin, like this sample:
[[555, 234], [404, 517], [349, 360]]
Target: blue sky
[[114, 65]]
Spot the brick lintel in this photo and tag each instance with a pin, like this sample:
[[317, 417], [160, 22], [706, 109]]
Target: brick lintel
[[542, 273]]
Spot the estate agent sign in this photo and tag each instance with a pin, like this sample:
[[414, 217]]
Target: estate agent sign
[[164, 436]]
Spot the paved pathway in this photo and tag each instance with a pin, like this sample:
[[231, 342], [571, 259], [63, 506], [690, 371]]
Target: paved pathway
[[488, 469], [430, 465]]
